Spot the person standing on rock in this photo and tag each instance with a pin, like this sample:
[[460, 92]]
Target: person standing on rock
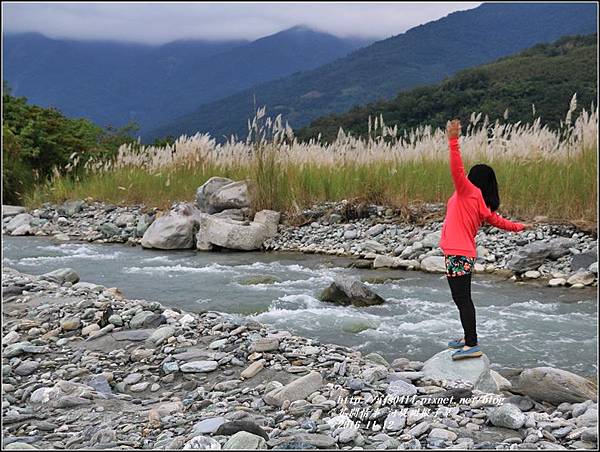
[[474, 201]]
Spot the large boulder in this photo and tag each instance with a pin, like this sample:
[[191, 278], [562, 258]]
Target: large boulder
[[298, 389], [350, 291], [560, 247], [175, 230], [231, 234], [475, 370], [555, 385], [11, 211], [206, 190], [432, 240], [270, 219], [529, 257], [19, 221], [433, 264], [220, 193]]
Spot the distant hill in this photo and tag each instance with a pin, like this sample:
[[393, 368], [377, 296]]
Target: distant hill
[[114, 83], [546, 76], [421, 56]]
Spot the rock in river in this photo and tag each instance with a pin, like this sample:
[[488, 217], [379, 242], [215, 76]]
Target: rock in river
[[296, 390], [346, 291], [172, 231]]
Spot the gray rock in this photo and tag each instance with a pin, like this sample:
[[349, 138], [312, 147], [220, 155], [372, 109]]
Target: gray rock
[[298, 389], [477, 370], [433, 264], [199, 366], [70, 208], [442, 434], [233, 195], [232, 234], [372, 246], [560, 247], [245, 441], [26, 368], [161, 334], [231, 428], [11, 211], [346, 291], [401, 388], [142, 224], [146, 319], [268, 218], [109, 230], [264, 344], [583, 260], [61, 276], [395, 421], [201, 442], [555, 385], [529, 257], [507, 415], [209, 425], [206, 190], [19, 348], [174, 230], [432, 240], [374, 231], [581, 277], [70, 323]]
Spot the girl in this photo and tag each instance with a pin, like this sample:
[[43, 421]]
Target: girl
[[474, 201]]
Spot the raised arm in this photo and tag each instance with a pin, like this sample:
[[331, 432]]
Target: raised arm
[[461, 182], [496, 220]]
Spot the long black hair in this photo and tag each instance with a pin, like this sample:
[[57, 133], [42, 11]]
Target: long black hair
[[484, 178]]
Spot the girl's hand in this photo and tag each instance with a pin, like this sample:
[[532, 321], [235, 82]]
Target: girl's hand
[[527, 226], [453, 128]]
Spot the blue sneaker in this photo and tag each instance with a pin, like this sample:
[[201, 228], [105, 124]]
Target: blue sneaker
[[473, 352], [456, 344]]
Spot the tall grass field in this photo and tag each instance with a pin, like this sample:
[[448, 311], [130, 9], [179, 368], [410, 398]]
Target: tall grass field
[[540, 171]]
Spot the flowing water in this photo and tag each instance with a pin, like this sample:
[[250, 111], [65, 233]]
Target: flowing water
[[518, 325]]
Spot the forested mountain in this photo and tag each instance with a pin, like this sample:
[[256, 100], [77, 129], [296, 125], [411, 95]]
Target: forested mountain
[[545, 76], [114, 83], [423, 55]]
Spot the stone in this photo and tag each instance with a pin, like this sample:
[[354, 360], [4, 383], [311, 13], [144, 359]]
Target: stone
[[555, 385], [477, 370], [209, 425], [161, 334], [593, 268], [201, 442], [581, 277], [433, 264], [24, 229], [374, 231], [142, 225], [395, 421], [61, 276], [146, 319], [560, 247], [529, 257], [265, 344], [583, 260], [19, 348], [502, 383], [432, 240], [172, 231], [206, 190], [253, 369], [372, 246], [346, 291], [132, 378], [245, 441], [532, 274], [401, 388], [270, 219], [26, 368], [109, 230], [70, 323], [297, 389], [198, 366], [231, 428], [116, 320], [507, 416], [170, 367], [139, 387], [11, 211], [556, 282], [18, 221], [232, 234], [442, 434], [384, 261], [70, 208], [219, 194]]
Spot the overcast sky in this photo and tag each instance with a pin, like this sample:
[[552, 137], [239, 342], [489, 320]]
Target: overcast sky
[[156, 23]]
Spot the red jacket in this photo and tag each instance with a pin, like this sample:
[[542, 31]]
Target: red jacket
[[466, 211]]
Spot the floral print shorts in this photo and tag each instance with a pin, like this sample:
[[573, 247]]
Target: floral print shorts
[[458, 265]]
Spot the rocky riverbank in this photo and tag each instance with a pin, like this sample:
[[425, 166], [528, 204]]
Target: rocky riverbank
[[553, 254], [85, 367]]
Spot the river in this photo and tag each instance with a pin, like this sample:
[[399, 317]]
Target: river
[[518, 325]]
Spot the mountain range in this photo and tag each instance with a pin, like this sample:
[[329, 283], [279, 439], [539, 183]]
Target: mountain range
[[423, 55], [114, 83]]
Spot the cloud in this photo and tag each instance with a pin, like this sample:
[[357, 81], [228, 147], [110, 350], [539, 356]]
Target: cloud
[[156, 23]]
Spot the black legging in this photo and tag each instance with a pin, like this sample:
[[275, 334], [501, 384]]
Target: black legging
[[460, 286]]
